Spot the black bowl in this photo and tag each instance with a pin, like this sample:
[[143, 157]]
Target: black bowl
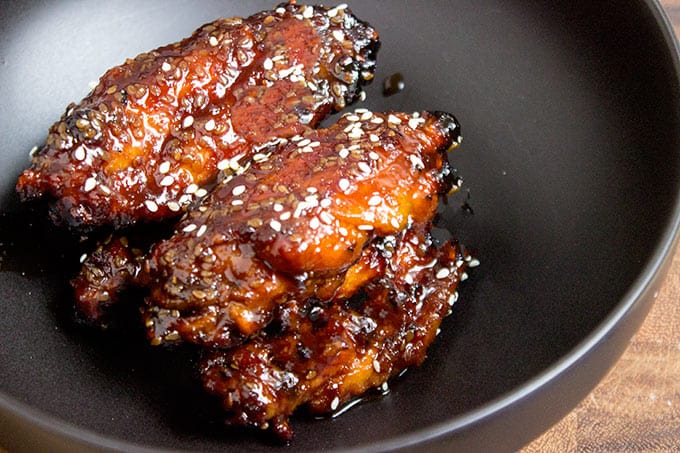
[[570, 113]]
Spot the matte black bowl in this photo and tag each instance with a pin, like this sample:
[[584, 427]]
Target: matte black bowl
[[571, 161]]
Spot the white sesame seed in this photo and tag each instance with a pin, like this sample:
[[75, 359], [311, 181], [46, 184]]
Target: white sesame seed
[[79, 153], [364, 167], [187, 121], [308, 12], [459, 263], [416, 162], [377, 120], [200, 193], [326, 217], [304, 143], [335, 403], [409, 278], [374, 138], [275, 225], [209, 125], [373, 155], [260, 157], [453, 298], [393, 119], [353, 118], [223, 164], [312, 189], [238, 190], [325, 203], [33, 150], [280, 10], [376, 365], [343, 231], [474, 262], [357, 132], [164, 167], [285, 215], [339, 35], [213, 41], [166, 66], [362, 95], [332, 12], [315, 144], [268, 64], [201, 231], [173, 206], [375, 200], [151, 205], [191, 188], [278, 207], [365, 227], [167, 181], [463, 276], [344, 184], [312, 86], [443, 273], [189, 228], [105, 189], [90, 184], [384, 387], [307, 149], [395, 223], [83, 257], [343, 153], [413, 123], [314, 223], [185, 199], [349, 128], [365, 115]]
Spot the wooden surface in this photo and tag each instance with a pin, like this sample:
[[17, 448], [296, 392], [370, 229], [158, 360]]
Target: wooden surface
[[636, 407]]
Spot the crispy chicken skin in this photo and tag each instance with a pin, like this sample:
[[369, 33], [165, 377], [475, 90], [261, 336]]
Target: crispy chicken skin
[[156, 130], [323, 355], [294, 223]]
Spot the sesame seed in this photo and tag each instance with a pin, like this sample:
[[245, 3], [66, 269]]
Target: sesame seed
[[285, 215], [395, 223], [325, 203], [315, 144], [377, 120], [307, 149], [384, 387], [409, 279], [332, 12], [164, 167], [463, 276], [223, 164], [443, 273], [366, 115], [173, 206], [308, 12], [268, 64], [335, 403], [344, 184], [344, 152], [166, 66], [237, 202], [79, 153], [312, 189], [474, 262], [375, 200], [90, 184], [314, 223], [201, 193], [416, 161], [343, 231], [280, 10], [413, 123], [275, 224], [357, 132], [278, 207], [105, 189], [201, 231], [83, 257], [151, 205], [453, 298], [365, 227], [33, 151], [260, 157], [213, 41], [187, 121], [393, 119], [352, 118], [191, 188], [376, 365], [459, 263], [209, 125], [374, 138], [373, 155], [326, 217], [238, 190], [339, 35], [364, 167], [167, 181], [362, 95], [189, 228], [304, 143]]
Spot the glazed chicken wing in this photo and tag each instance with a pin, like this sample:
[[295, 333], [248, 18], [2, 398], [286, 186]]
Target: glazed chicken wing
[[323, 355], [154, 133], [294, 223]]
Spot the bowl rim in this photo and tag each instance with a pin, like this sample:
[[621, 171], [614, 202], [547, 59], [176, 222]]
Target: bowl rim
[[651, 272]]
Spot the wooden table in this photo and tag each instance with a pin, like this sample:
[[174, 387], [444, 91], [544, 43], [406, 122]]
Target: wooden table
[[636, 407]]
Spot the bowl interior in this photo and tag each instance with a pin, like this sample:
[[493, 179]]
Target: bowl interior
[[572, 172]]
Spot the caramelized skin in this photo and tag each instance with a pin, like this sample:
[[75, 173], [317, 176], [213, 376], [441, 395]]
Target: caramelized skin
[[158, 128], [293, 224], [323, 355]]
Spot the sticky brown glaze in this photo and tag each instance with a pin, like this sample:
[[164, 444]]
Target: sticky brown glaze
[[294, 223], [154, 133], [324, 355]]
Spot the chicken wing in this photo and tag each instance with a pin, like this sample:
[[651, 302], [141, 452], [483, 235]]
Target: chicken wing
[[323, 355], [154, 133], [294, 223]]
